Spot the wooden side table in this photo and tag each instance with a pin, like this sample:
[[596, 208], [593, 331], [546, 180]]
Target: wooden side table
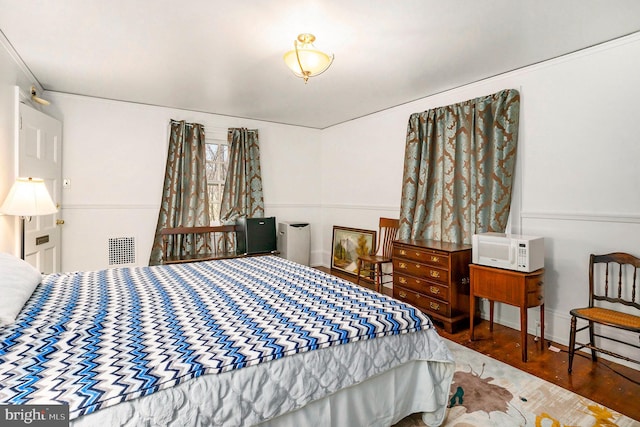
[[515, 288]]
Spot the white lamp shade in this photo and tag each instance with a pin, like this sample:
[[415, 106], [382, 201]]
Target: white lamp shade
[[313, 61], [28, 197]]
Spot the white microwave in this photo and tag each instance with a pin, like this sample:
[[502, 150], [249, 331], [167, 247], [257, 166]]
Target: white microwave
[[509, 251]]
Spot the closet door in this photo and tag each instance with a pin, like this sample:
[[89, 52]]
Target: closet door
[[39, 156]]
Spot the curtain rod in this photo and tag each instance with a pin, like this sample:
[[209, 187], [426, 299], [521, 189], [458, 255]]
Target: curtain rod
[[248, 130], [185, 122]]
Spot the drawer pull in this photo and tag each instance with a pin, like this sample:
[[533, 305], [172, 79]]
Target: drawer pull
[[540, 297], [402, 294], [403, 252], [435, 274], [540, 283], [402, 265], [434, 305], [435, 258], [418, 266], [434, 290], [418, 254], [402, 280]]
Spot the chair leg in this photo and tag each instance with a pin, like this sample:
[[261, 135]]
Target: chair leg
[[592, 342], [572, 341], [358, 271], [378, 278]]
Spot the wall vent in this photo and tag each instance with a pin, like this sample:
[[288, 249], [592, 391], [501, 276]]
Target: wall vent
[[122, 250]]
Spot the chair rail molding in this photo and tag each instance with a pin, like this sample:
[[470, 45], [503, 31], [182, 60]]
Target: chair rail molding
[[395, 209], [580, 216], [100, 206]]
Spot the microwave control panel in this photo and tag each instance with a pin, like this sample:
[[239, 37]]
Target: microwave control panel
[[522, 255]]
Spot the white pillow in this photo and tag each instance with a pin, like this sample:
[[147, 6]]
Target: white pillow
[[18, 280]]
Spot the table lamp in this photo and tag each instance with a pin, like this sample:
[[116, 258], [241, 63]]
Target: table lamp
[[28, 197]]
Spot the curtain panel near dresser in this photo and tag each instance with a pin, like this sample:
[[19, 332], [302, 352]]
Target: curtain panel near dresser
[[458, 169], [185, 199]]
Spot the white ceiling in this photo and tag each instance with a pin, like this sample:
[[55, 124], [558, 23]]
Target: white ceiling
[[225, 56]]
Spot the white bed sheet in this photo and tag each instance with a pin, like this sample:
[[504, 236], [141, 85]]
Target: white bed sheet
[[372, 382]]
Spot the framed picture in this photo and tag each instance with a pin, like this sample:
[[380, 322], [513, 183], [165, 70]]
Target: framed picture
[[347, 245]]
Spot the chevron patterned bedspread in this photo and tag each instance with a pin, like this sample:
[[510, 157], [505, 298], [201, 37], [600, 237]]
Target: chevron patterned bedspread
[[94, 339]]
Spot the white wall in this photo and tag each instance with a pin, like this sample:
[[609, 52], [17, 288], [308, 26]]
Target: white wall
[[114, 154], [577, 168]]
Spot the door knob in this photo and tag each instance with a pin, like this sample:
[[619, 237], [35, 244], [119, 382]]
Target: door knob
[[59, 221]]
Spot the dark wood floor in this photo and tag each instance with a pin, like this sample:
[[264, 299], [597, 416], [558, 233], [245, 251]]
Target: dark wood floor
[[610, 384]]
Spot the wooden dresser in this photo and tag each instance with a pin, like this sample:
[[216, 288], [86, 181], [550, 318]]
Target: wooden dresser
[[434, 276]]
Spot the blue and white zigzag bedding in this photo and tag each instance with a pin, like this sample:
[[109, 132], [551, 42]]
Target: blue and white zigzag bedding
[[94, 339]]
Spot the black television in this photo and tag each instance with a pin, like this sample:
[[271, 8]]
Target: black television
[[256, 235]]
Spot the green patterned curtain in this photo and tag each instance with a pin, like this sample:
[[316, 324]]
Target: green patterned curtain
[[458, 169], [242, 194], [185, 199]]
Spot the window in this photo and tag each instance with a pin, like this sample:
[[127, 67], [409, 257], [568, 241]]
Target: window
[[217, 165]]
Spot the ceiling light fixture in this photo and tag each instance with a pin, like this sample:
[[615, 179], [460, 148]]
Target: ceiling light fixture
[[305, 60], [36, 98]]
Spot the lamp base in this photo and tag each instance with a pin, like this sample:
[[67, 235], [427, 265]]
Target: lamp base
[[22, 232]]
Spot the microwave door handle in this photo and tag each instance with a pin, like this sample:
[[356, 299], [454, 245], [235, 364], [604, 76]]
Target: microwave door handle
[[512, 254]]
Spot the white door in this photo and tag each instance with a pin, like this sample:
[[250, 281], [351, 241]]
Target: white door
[[39, 156]]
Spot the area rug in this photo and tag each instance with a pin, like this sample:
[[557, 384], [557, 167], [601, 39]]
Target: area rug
[[487, 392]]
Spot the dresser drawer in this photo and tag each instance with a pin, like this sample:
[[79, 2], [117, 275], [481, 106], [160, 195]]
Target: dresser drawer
[[421, 270], [535, 283], [422, 301], [436, 290], [535, 299], [435, 258], [535, 290]]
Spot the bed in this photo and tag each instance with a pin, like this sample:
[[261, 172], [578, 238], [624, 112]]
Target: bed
[[237, 342]]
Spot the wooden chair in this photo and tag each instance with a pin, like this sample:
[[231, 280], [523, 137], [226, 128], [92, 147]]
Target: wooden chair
[[372, 263], [605, 302], [216, 238]]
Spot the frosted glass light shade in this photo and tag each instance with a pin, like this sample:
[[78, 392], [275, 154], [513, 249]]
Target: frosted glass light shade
[[305, 60], [28, 197]]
